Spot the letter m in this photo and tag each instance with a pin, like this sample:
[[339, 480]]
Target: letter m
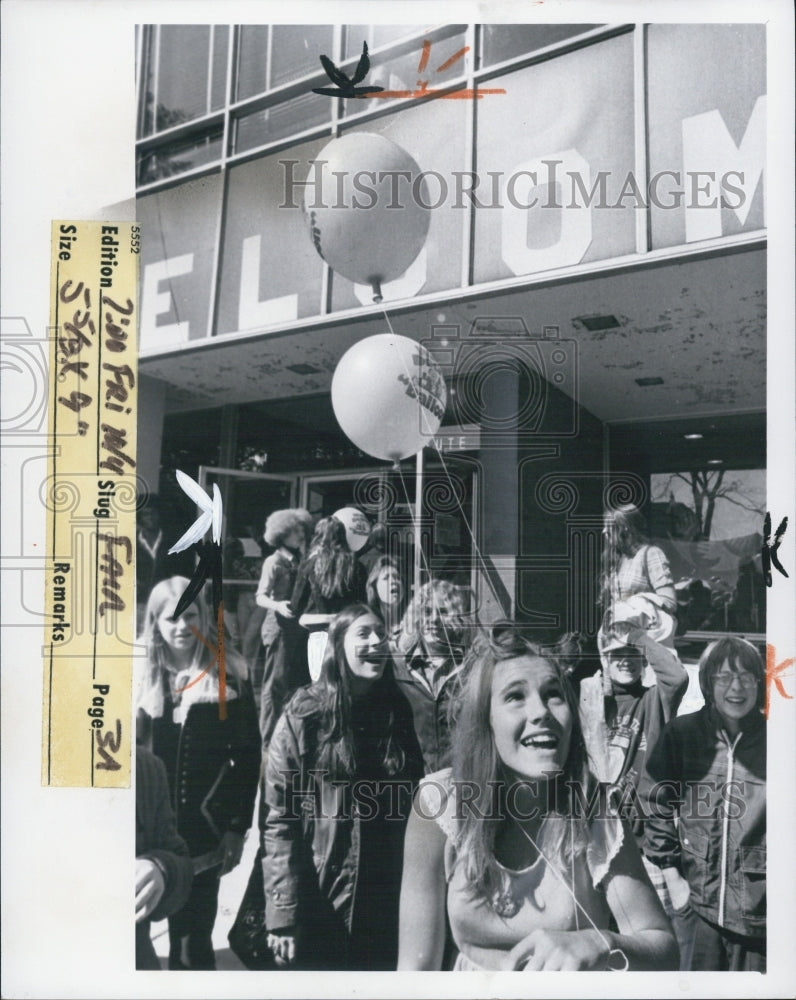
[[708, 146]]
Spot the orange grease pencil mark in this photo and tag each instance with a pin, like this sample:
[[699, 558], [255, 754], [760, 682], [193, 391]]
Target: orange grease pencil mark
[[218, 657], [465, 94], [774, 671], [449, 62], [424, 56], [454, 95]]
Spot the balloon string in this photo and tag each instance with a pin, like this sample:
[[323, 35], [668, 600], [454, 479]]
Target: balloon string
[[426, 567], [571, 889], [389, 324], [480, 561]]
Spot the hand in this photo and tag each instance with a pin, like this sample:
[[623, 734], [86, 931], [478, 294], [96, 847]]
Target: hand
[[149, 887], [566, 951], [636, 636], [283, 608], [679, 890], [283, 946], [230, 849]]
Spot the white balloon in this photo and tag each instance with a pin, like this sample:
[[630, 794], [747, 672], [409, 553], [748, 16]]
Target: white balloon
[[388, 396], [364, 205], [357, 527]]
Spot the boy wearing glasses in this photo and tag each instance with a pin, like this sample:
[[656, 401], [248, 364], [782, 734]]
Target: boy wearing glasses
[[707, 825]]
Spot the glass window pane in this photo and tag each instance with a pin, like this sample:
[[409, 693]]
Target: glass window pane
[[433, 134], [401, 74], [296, 115], [220, 53], [296, 50], [147, 98], [252, 61], [708, 523], [178, 246], [178, 158], [270, 271], [556, 168], [376, 35], [505, 41], [182, 74], [707, 86]]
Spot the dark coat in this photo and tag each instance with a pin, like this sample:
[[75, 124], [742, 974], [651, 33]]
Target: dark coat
[[156, 838], [213, 766], [717, 789], [430, 712], [334, 849]]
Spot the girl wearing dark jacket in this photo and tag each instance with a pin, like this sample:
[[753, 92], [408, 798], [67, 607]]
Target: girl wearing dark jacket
[[329, 579], [342, 766], [709, 770], [210, 745]]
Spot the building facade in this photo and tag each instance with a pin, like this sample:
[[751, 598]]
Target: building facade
[[592, 284]]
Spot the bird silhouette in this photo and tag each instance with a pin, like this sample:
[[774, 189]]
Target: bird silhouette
[[345, 87]]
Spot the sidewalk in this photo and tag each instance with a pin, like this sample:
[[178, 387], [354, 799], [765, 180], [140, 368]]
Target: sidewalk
[[230, 894]]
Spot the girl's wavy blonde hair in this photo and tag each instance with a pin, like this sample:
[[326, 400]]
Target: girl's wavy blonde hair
[[436, 593], [165, 595]]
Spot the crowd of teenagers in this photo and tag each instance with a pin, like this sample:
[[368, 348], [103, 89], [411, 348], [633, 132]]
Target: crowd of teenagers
[[441, 793]]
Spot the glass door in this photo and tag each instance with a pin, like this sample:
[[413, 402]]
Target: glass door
[[248, 498], [428, 513]]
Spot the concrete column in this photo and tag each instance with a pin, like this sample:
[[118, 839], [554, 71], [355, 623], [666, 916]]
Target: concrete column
[[498, 495], [151, 413]]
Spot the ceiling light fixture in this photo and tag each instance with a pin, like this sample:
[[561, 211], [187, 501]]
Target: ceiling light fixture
[[693, 437], [594, 324]]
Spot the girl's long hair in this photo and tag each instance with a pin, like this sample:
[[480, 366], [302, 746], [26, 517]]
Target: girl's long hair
[[165, 597], [433, 593], [563, 834], [332, 693], [331, 563], [624, 536]]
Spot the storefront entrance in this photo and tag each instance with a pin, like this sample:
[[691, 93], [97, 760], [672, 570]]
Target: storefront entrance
[[429, 510]]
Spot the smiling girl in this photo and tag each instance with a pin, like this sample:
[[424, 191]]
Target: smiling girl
[[342, 766], [212, 762], [707, 830], [500, 843]]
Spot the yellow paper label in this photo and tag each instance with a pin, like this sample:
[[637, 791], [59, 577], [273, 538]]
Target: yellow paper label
[[90, 499]]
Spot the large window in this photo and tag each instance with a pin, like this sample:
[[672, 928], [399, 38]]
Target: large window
[[704, 506], [185, 73], [540, 150], [709, 522]]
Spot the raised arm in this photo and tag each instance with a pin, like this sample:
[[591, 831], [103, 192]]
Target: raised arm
[[421, 939], [671, 677]]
